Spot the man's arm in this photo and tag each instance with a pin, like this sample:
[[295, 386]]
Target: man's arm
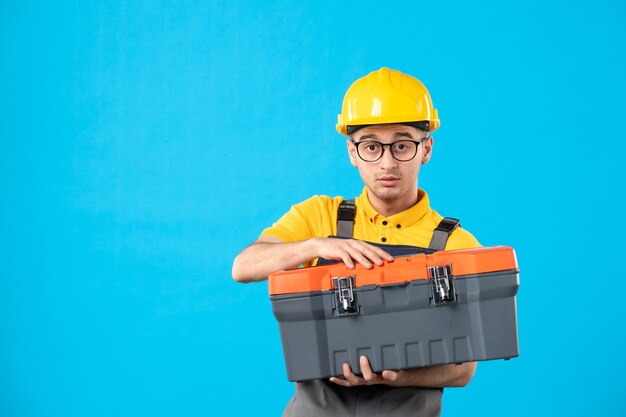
[[429, 377], [269, 254]]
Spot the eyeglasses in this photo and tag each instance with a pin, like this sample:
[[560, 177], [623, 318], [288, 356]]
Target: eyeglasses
[[402, 150]]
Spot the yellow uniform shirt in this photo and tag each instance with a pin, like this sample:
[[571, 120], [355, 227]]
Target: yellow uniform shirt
[[317, 217]]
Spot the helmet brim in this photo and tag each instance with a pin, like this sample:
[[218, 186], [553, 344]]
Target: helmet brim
[[421, 125]]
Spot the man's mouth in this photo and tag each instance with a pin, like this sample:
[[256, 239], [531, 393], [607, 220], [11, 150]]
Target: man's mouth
[[388, 180]]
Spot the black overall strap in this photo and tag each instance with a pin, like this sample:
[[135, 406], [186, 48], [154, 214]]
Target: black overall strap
[[345, 218], [442, 232], [346, 213]]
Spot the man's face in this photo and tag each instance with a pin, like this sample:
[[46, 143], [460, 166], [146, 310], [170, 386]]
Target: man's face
[[390, 181]]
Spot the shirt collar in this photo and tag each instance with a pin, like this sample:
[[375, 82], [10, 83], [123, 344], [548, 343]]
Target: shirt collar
[[406, 218]]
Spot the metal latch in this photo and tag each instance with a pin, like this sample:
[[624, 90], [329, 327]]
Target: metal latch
[[345, 296], [443, 285]]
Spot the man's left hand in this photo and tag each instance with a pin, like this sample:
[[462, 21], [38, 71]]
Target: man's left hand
[[392, 378]]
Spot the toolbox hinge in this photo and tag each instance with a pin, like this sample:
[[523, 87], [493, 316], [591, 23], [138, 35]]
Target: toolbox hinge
[[443, 285], [345, 295]]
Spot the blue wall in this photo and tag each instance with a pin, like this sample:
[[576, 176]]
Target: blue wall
[[144, 144]]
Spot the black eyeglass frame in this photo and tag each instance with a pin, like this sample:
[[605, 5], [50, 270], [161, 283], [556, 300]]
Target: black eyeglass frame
[[416, 142]]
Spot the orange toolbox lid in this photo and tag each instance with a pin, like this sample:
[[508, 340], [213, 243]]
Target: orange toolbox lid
[[401, 269]]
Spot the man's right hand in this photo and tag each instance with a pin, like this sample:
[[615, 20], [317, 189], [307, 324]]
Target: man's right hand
[[269, 254], [350, 250]]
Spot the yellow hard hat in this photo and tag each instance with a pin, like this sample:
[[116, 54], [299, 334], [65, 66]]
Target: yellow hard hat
[[387, 96]]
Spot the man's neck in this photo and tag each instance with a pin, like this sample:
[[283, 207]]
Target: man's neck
[[389, 208]]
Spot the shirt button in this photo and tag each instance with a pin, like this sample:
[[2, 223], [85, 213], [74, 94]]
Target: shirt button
[[384, 239], [384, 222]]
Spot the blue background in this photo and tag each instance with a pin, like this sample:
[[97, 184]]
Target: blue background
[[144, 144]]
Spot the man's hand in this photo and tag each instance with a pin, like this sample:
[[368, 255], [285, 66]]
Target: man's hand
[[392, 378], [269, 254], [428, 377], [350, 250]]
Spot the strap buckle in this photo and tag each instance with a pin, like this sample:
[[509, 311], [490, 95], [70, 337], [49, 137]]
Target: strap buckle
[[441, 233], [447, 225], [346, 211]]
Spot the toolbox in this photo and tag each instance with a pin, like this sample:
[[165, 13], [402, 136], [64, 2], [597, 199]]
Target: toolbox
[[415, 311]]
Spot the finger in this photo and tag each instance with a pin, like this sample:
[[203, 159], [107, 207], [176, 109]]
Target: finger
[[340, 381], [383, 254], [359, 257], [350, 377], [391, 376], [335, 249], [367, 252], [347, 260], [379, 251], [367, 372], [376, 254]]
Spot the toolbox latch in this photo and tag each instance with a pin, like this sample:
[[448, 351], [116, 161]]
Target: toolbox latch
[[345, 296], [443, 285]]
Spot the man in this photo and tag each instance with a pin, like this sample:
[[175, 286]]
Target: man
[[388, 117]]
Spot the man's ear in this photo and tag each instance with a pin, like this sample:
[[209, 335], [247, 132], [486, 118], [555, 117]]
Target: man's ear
[[351, 152], [428, 149]]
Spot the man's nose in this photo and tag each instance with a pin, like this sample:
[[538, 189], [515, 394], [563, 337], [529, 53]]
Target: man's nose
[[387, 159]]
